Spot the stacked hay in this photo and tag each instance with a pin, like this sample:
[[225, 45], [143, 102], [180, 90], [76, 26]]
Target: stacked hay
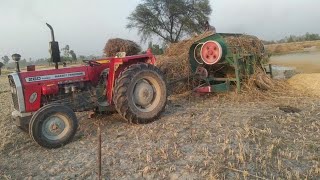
[[113, 46]]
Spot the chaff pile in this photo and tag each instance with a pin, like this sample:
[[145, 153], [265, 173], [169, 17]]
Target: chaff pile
[[306, 83], [113, 46]]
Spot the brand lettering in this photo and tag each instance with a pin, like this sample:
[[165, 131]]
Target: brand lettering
[[54, 76]]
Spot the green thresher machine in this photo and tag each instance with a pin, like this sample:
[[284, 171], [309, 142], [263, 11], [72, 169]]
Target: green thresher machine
[[221, 59]]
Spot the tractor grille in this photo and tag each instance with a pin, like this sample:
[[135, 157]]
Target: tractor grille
[[14, 93]]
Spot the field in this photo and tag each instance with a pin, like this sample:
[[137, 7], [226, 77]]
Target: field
[[252, 135], [295, 47], [307, 62]]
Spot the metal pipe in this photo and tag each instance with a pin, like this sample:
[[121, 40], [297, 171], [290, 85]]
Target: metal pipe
[[52, 32], [53, 41], [16, 58], [17, 66]]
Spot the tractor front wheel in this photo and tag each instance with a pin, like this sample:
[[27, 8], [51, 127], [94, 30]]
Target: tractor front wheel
[[53, 126], [140, 93]]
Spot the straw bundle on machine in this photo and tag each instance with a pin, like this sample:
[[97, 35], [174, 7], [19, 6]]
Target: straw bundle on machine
[[246, 44], [113, 46]]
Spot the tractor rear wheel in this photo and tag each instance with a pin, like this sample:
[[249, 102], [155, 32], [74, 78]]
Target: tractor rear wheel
[[53, 126], [140, 93]]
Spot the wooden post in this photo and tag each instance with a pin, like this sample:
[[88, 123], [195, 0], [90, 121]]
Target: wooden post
[[99, 149], [236, 67], [270, 70]]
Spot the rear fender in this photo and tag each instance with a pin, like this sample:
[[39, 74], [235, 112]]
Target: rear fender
[[117, 67]]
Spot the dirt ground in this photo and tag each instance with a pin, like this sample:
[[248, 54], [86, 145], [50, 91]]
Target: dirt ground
[[225, 136]]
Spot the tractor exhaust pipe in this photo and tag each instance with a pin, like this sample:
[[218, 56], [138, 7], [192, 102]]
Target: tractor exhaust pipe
[[52, 32], [16, 58], [54, 48]]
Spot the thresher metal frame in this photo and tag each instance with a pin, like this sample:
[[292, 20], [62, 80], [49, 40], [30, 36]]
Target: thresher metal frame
[[242, 62]]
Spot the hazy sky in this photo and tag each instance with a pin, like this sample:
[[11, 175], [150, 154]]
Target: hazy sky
[[87, 25]]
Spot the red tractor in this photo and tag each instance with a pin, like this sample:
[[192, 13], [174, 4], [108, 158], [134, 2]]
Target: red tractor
[[45, 101]]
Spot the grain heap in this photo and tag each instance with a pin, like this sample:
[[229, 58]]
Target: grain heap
[[113, 46]]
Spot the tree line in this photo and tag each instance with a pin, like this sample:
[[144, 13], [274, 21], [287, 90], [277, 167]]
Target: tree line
[[294, 38], [68, 56]]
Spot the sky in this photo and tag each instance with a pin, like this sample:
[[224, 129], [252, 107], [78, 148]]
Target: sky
[[86, 25]]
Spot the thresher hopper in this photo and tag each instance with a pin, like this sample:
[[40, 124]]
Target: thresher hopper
[[220, 59]]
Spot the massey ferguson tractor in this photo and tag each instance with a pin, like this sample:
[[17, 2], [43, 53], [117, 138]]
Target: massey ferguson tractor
[[45, 101]]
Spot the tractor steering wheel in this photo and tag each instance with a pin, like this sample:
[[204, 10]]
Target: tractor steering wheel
[[92, 63]]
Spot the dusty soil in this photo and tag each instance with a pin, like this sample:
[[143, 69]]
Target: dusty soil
[[225, 136]]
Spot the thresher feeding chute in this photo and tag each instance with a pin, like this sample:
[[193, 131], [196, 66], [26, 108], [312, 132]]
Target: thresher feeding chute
[[222, 58]]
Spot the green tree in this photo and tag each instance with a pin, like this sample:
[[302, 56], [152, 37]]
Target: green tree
[[5, 59], [291, 38], [66, 50], [169, 19], [1, 65], [82, 57], [73, 55], [156, 49], [68, 55]]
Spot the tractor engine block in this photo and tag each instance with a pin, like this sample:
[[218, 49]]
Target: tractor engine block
[[79, 96]]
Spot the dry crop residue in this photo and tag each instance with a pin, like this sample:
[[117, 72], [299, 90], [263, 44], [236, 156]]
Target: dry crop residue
[[212, 137], [113, 46], [306, 83], [294, 47]]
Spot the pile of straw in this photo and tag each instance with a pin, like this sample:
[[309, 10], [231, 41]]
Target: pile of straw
[[113, 46], [306, 83], [245, 44]]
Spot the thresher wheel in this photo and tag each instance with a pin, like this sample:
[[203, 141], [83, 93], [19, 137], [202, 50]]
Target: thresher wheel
[[140, 93], [202, 72], [211, 52], [53, 126]]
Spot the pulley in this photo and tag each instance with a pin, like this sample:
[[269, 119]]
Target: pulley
[[209, 52], [202, 72]]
